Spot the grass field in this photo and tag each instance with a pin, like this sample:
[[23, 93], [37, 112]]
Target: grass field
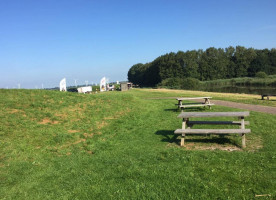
[[241, 98], [118, 145]]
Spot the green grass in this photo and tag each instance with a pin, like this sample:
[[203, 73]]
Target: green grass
[[118, 145], [234, 97]]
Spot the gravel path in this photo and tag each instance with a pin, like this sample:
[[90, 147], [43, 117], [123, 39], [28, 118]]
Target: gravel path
[[258, 108], [251, 107]]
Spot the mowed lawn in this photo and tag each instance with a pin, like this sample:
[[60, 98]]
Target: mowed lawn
[[119, 145]]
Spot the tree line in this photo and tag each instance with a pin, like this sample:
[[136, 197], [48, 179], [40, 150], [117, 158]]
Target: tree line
[[211, 64]]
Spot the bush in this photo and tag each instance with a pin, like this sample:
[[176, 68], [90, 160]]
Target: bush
[[72, 89], [261, 75], [190, 83], [178, 83], [173, 83], [273, 84]]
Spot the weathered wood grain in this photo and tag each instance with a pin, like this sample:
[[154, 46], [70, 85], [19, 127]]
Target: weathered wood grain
[[217, 122], [213, 114], [195, 105], [211, 131], [191, 98]]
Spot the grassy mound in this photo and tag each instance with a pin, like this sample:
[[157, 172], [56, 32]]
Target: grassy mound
[[118, 145]]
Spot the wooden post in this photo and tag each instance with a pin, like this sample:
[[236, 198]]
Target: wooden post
[[180, 105], [243, 135], [182, 142], [207, 100]]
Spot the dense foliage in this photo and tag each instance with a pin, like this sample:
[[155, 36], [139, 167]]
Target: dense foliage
[[210, 64]]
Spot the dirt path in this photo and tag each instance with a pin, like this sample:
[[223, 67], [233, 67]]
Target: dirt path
[[257, 108], [251, 107]]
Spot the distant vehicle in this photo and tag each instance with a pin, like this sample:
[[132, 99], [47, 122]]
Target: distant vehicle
[[87, 89]]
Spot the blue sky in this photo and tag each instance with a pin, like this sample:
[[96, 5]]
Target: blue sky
[[43, 41]]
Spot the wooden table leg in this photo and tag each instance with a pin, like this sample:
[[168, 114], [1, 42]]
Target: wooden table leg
[[243, 135], [184, 122], [182, 140]]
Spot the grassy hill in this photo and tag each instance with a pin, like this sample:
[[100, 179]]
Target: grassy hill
[[118, 145]]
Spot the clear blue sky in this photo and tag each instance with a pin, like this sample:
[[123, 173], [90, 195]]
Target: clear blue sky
[[43, 41]]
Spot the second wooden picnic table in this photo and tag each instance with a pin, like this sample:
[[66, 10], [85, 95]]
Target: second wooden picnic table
[[189, 105]]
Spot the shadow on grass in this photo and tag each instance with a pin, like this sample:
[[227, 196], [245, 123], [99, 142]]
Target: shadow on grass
[[217, 140], [267, 100], [170, 137]]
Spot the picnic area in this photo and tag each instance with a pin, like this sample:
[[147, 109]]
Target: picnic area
[[123, 145]]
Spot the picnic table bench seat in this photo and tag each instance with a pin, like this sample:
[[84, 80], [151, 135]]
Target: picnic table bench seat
[[187, 124], [196, 105], [211, 131], [267, 96], [190, 105]]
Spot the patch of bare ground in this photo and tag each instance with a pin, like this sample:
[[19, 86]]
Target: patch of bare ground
[[117, 115], [73, 131], [75, 112], [89, 152], [252, 145], [196, 146], [193, 146], [101, 124], [66, 147], [48, 121], [11, 111], [88, 135], [16, 111]]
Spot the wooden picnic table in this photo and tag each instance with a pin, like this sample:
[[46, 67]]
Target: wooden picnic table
[[187, 124], [267, 96], [189, 105]]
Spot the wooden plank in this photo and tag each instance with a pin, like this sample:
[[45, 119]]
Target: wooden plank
[[191, 98], [213, 114], [182, 141], [218, 122], [211, 131], [243, 135], [268, 95], [195, 105]]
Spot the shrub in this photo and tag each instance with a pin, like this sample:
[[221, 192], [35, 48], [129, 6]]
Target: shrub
[[190, 83], [72, 89], [174, 83], [261, 75], [273, 84]]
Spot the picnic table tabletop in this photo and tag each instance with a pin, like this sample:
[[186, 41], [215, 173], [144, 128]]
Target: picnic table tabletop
[[213, 114], [191, 98]]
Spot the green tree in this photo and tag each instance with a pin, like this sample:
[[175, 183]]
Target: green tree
[[243, 58]]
